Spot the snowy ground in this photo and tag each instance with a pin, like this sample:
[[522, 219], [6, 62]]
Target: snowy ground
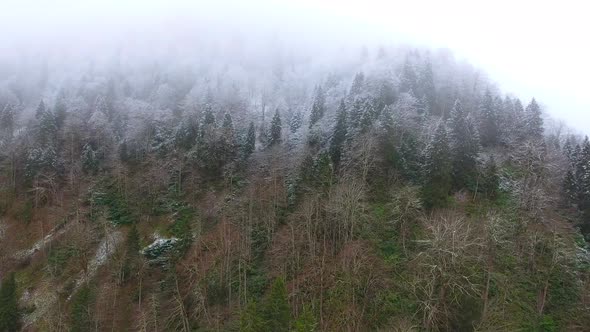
[[45, 296], [27, 253]]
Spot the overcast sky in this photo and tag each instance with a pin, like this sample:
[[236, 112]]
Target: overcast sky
[[531, 48]]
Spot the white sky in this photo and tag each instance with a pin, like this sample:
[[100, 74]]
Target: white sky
[[531, 48]]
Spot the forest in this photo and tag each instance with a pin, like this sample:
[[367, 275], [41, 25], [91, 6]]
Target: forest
[[385, 188]]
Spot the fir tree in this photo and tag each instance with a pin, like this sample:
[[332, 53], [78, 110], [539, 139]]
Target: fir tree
[[464, 146], [357, 85], [60, 111], [131, 253], [427, 89], [227, 144], [319, 106], [534, 121], [520, 127], [490, 181], [437, 170], [275, 129], [296, 121], [89, 159], [338, 136], [306, 322], [82, 317], [40, 110], [250, 141], [251, 319], [408, 78], [277, 311], [9, 313], [489, 121], [7, 121]]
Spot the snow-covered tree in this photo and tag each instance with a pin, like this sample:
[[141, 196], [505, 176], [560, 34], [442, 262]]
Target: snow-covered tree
[[437, 169], [464, 146], [318, 108]]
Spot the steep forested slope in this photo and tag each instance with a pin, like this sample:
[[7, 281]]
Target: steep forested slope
[[394, 190]]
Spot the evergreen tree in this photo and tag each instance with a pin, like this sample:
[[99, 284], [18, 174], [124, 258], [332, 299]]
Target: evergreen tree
[[40, 110], [489, 121], [131, 253], [60, 111], [251, 319], [306, 322], [464, 146], [277, 311], [427, 89], [250, 142], [437, 169], [318, 109], [9, 313], [385, 95], [275, 129], [357, 85], [338, 136], [7, 121], [534, 121], [81, 316], [520, 122], [408, 80], [89, 159], [490, 181], [227, 144], [296, 121]]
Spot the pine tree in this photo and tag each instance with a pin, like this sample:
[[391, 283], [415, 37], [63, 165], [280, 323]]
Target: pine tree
[[227, 140], [131, 253], [319, 106], [277, 311], [40, 110], [520, 127], [9, 313], [306, 322], [427, 89], [275, 129], [357, 85], [489, 121], [89, 159], [250, 141], [534, 121], [464, 146], [251, 319], [7, 121], [490, 181], [408, 80], [296, 121], [60, 111], [437, 169], [81, 316], [338, 136]]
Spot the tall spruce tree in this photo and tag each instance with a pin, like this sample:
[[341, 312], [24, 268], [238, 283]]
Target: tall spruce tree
[[250, 142], [277, 311], [9, 313], [408, 79], [534, 121], [464, 146], [357, 85], [427, 88], [437, 169], [338, 136], [318, 108], [488, 129], [275, 129], [296, 121]]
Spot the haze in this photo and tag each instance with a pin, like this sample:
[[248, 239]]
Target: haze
[[532, 48]]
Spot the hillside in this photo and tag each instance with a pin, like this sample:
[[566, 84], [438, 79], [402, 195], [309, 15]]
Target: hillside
[[391, 189]]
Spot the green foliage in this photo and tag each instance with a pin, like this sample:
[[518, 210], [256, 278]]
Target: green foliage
[[319, 106], [275, 129], [250, 144], [437, 170], [339, 135], [306, 321], [119, 212], [9, 311], [251, 319], [464, 142], [82, 315], [277, 312]]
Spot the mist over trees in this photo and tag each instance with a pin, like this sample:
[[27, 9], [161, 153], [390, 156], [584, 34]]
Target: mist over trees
[[266, 187]]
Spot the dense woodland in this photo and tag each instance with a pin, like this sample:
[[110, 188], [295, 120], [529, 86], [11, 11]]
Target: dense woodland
[[394, 189]]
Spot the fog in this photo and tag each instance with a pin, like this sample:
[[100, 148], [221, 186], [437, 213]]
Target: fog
[[530, 48]]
